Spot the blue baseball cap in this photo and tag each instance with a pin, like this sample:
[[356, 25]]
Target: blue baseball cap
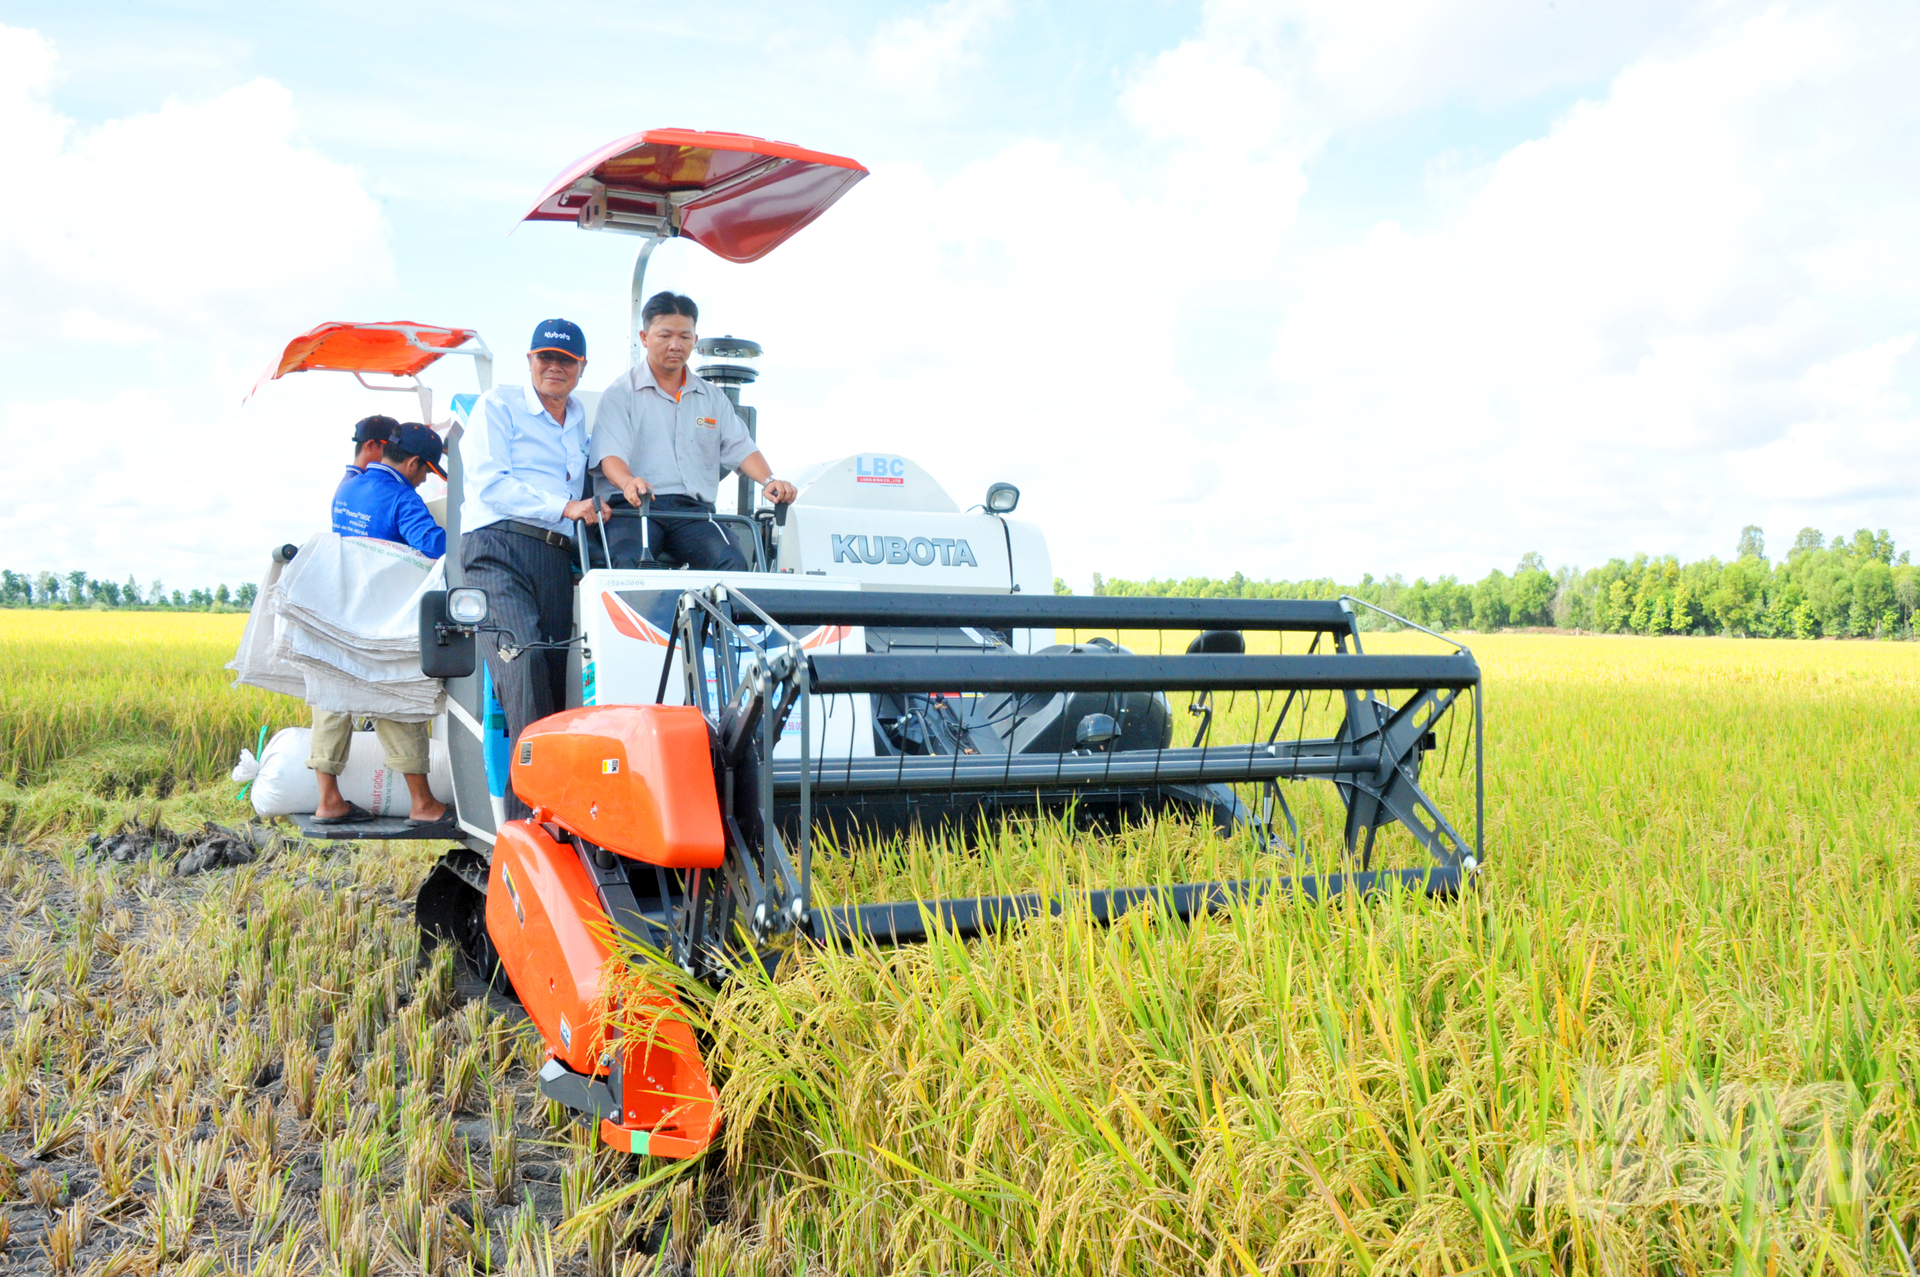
[[562, 335], [420, 441]]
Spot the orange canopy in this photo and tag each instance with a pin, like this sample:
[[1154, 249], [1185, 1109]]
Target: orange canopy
[[398, 347], [738, 196]]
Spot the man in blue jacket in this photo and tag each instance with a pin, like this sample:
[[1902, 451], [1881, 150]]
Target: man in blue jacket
[[383, 503]]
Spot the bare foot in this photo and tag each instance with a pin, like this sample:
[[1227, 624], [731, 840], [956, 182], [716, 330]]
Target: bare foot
[[332, 804], [424, 805]]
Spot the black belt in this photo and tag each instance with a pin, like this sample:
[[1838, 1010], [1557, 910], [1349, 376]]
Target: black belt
[[535, 531]]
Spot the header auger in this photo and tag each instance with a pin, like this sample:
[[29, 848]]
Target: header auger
[[691, 827]]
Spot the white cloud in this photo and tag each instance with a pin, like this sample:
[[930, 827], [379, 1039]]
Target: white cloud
[[164, 255], [1683, 306], [1585, 356], [176, 486], [1602, 340], [212, 216], [915, 53]]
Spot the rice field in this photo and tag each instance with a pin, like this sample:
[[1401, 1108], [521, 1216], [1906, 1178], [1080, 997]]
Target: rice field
[[1676, 1029], [98, 706]]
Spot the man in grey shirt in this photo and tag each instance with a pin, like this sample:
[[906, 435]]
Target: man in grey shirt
[[663, 431]]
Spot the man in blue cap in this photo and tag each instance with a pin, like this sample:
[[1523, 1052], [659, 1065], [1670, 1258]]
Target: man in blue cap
[[383, 502], [524, 458]]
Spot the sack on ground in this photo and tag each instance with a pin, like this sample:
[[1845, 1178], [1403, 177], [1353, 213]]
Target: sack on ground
[[284, 784]]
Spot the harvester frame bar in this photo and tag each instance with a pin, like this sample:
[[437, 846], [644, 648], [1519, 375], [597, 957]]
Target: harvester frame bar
[[745, 668], [1027, 611], [1134, 673], [913, 921]]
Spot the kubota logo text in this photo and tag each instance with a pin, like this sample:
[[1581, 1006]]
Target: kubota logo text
[[952, 552]]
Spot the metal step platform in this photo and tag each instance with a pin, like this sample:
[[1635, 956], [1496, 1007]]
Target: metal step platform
[[376, 829]]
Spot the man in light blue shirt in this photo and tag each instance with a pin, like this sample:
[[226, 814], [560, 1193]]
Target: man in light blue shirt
[[524, 459]]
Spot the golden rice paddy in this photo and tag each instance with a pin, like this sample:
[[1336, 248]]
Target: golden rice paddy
[[1676, 1029]]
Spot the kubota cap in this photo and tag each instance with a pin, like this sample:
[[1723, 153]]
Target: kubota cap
[[420, 441], [375, 429], [562, 335]]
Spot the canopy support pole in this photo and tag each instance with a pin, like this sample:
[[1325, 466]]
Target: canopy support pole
[[636, 352]]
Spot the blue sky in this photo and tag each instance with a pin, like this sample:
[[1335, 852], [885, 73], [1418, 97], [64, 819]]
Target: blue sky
[[1289, 288]]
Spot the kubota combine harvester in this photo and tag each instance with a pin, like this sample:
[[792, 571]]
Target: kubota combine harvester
[[889, 662]]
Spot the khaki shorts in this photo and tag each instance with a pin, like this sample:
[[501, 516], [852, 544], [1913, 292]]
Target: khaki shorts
[[405, 743]]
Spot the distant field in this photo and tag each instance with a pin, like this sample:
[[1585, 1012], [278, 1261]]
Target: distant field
[[1677, 1029], [71, 682]]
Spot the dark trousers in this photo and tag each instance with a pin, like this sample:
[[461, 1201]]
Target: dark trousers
[[529, 587], [694, 542]]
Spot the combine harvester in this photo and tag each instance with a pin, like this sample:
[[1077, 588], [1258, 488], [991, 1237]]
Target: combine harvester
[[890, 662]]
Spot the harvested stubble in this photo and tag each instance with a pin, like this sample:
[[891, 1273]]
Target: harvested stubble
[[151, 1078]]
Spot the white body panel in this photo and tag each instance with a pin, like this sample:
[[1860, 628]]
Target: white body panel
[[898, 549], [898, 531], [626, 649]]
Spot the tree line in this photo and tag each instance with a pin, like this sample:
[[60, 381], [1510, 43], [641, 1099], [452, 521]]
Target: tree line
[[77, 589], [1844, 588]]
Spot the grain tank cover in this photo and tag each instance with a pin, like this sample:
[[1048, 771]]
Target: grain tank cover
[[874, 481]]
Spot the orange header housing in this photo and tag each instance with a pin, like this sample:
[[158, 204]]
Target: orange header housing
[[636, 779]]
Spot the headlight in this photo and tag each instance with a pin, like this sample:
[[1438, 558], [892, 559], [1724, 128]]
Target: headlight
[[467, 605], [1002, 498]]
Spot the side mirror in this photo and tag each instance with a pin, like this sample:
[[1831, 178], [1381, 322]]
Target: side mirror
[[1002, 498], [447, 647]]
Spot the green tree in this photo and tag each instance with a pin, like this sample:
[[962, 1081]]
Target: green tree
[[1733, 605], [1531, 592], [1490, 602], [1061, 587], [1873, 597], [1753, 543], [1619, 606]]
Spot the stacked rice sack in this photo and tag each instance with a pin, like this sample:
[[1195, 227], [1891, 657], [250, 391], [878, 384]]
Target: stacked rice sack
[[339, 627]]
